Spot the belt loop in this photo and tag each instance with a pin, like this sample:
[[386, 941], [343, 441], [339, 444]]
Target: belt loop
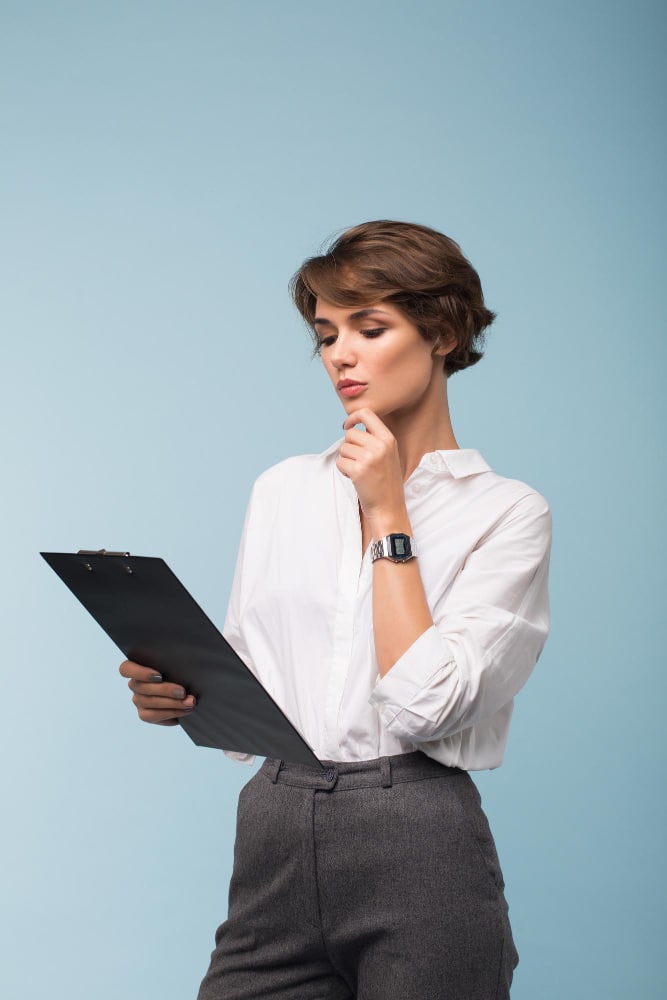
[[385, 771], [274, 767]]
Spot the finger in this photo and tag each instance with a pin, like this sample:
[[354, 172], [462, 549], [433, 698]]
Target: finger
[[129, 668], [163, 690], [160, 715], [176, 705], [360, 446], [350, 452], [357, 434], [369, 418], [353, 418]]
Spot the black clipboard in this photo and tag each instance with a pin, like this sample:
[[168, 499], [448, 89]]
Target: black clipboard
[[145, 609]]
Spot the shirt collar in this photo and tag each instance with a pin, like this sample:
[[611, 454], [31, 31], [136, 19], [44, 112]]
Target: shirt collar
[[457, 463]]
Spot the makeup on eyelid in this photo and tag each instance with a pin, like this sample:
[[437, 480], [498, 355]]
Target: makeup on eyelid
[[369, 334]]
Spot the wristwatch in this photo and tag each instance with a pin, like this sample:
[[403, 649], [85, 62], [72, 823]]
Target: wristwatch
[[397, 547]]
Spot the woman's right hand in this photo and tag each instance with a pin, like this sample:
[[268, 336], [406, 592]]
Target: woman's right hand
[[156, 700]]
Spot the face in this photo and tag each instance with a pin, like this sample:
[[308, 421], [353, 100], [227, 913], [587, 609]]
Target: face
[[379, 346]]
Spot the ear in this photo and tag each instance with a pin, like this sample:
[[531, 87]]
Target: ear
[[445, 344]]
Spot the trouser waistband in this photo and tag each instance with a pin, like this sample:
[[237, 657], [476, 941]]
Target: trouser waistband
[[384, 771]]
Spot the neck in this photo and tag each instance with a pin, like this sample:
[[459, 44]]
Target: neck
[[429, 430]]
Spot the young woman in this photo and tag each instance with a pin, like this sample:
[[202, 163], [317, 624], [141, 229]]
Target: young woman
[[391, 594]]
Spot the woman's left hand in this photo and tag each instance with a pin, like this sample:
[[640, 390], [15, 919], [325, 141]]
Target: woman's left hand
[[370, 459]]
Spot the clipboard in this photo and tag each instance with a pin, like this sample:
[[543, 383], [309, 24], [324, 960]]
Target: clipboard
[[145, 609]]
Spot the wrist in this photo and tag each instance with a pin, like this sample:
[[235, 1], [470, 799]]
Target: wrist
[[390, 523]]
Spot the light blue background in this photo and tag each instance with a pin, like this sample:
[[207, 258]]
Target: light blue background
[[165, 169]]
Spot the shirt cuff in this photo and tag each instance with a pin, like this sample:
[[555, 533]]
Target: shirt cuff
[[428, 660]]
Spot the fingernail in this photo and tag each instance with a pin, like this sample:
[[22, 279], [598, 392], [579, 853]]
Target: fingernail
[[179, 693], [155, 677]]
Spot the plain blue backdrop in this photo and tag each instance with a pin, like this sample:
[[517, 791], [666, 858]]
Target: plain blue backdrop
[[165, 169]]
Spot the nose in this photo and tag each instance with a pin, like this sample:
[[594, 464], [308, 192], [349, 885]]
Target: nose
[[342, 355]]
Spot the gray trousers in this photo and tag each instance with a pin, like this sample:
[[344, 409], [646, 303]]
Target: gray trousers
[[375, 880]]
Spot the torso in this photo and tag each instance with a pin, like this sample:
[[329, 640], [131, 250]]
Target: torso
[[366, 532]]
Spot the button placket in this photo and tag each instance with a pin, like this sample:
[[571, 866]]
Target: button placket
[[343, 640]]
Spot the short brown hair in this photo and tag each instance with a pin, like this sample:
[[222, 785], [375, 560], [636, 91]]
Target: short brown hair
[[420, 271]]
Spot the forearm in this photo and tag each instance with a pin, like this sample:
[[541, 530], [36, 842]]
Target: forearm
[[400, 609]]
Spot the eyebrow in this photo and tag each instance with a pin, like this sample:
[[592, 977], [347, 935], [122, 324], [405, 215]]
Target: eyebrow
[[321, 321]]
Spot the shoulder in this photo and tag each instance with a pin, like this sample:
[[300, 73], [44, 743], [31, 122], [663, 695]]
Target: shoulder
[[504, 506], [295, 471], [517, 495], [516, 515], [478, 478]]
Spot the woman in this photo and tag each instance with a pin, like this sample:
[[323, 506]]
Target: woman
[[391, 594]]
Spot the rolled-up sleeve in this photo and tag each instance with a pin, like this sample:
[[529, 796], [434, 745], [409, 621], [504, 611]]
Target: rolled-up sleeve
[[232, 628], [487, 635]]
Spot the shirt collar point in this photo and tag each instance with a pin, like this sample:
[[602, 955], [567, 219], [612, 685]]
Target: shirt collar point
[[459, 463]]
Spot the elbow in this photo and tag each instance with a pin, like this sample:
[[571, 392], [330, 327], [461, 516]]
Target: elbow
[[468, 684], [434, 712], [457, 698]]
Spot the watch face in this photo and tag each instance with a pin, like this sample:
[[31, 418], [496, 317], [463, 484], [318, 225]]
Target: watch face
[[399, 545]]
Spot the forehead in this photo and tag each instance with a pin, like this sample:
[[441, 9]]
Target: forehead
[[327, 311]]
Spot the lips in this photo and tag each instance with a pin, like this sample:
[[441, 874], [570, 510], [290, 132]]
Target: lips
[[346, 382]]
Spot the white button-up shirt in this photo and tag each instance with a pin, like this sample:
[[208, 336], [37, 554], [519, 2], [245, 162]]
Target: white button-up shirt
[[300, 611]]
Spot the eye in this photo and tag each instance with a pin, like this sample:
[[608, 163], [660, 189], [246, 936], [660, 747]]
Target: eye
[[367, 333]]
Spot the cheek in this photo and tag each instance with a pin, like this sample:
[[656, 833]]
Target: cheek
[[403, 365], [390, 360]]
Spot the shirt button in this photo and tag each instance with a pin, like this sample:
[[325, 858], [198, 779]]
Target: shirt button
[[416, 488], [331, 774]]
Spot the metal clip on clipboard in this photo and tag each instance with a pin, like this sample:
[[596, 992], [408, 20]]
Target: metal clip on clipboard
[[103, 552]]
